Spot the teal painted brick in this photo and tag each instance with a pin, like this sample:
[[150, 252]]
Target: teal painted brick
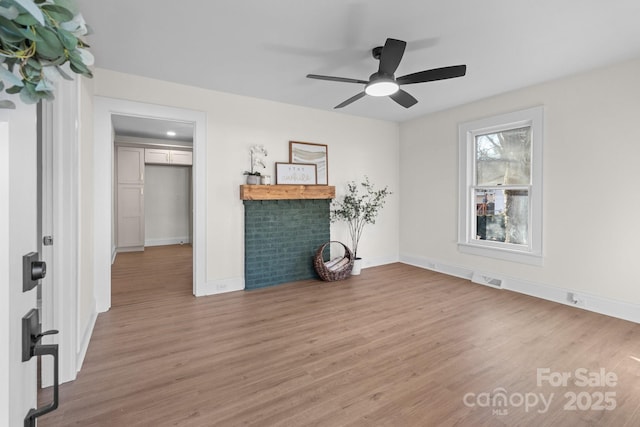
[[281, 238]]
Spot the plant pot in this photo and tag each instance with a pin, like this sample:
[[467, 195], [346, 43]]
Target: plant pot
[[357, 266], [253, 179]]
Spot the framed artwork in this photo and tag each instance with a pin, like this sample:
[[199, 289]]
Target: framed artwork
[[307, 152], [296, 174]]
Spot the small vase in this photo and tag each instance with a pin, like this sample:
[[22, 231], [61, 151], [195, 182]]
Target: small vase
[[265, 180], [253, 179], [357, 266]]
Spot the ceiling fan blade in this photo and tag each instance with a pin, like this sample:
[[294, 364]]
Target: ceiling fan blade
[[350, 100], [336, 79], [404, 99], [391, 56], [432, 75]]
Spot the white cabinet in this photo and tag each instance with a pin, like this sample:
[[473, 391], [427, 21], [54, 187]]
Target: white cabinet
[[130, 198], [156, 156], [181, 157], [167, 157], [130, 163]]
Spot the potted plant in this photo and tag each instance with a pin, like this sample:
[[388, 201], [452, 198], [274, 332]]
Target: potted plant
[[357, 210], [258, 153], [36, 39]]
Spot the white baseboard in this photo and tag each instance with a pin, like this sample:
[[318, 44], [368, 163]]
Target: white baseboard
[[164, 242], [221, 286], [86, 337], [376, 261], [571, 297], [431, 264], [114, 253]]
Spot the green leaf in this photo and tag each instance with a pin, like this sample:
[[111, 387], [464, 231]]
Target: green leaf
[[80, 68], [32, 8], [10, 12], [9, 37], [26, 19], [28, 94], [70, 5], [9, 26], [9, 77], [15, 89], [34, 64], [57, 13], [5, 103], [44, 85], [30, 73], [63, 74], [69, 41], [50, 47], [28, 33], [77, 65], [87, 57]]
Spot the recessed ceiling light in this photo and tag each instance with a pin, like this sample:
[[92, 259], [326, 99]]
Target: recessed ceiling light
[[171, 133]]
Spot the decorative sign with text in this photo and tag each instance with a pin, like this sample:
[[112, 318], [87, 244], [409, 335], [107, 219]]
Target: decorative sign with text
[[296, 174]]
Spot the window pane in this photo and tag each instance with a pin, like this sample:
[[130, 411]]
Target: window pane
[[502, 215], [504, 157]]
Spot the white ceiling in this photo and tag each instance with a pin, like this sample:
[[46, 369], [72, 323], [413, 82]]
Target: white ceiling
[[264, 49], [142, 127]]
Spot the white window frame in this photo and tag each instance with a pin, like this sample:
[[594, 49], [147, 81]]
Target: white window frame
[[530, 253]]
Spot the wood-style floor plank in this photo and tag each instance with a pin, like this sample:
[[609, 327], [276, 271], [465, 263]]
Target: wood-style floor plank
[[396, 346]]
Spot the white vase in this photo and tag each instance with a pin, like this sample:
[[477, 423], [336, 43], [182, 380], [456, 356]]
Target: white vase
[[253, 179], [357, 266]]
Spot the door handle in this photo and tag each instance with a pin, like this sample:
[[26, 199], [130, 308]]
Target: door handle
[[43, 350], [31, 346]]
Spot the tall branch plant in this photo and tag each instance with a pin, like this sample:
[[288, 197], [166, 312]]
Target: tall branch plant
[[359, 206]]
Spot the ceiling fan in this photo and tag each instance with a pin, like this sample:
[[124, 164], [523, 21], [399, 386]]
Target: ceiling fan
[[384, 83]]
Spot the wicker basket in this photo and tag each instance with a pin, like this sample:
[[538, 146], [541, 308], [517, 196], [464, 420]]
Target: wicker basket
[[335, 269]]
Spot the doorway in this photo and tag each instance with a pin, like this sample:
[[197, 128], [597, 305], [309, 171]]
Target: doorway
[[153, 208], [105, 109]]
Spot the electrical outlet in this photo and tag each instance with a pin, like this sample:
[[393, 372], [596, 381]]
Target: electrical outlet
[[576, 299]]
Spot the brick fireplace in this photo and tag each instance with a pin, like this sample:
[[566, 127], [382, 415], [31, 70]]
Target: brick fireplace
[[283, 229]]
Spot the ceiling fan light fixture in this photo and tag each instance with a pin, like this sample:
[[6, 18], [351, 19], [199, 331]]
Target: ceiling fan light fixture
[[382, 88]]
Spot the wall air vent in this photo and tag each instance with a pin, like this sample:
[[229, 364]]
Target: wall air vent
[[486, 280]]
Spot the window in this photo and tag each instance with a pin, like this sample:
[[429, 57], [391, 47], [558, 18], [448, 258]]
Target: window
[[501, 186]]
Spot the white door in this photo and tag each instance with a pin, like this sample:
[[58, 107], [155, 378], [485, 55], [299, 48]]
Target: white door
[[130, 198], [18, 236]]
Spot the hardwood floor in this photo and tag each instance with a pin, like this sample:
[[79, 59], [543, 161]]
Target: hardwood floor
[[396, 346]]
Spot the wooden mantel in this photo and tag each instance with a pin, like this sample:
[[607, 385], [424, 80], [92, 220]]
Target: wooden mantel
[[286, 192]]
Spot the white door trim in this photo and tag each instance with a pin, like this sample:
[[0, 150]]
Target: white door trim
[[5, 294], [104, 108]]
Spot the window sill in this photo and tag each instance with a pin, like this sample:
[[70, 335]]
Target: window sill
[[503, 254]]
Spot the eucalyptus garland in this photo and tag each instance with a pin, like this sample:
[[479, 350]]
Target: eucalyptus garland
[[37, 38]]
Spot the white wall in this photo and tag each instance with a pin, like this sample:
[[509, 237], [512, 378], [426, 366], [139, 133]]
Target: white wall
[[167, 212], [357, 146], [86, 298], [590, 173]]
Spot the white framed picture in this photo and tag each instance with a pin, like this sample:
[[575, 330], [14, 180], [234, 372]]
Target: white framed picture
[[296, 174], [317, 154]]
